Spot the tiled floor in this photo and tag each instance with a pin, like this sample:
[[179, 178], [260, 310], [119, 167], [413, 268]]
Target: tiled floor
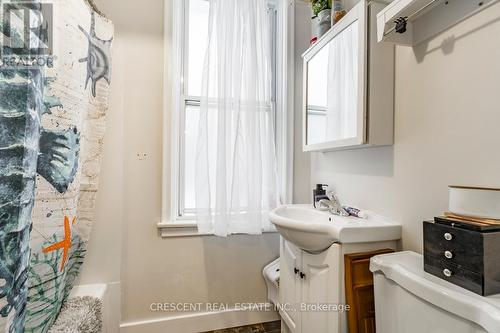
[[271, 327]]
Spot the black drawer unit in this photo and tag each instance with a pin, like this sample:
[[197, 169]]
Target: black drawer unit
[[460, 276], [467, 258]]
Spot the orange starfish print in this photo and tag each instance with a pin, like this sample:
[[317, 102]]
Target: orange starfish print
[[65, 244]]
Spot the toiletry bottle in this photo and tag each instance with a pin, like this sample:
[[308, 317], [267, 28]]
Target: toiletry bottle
[[355, 212], [319, 193], [338, 11]]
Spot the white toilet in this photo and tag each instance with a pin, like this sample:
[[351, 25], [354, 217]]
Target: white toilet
[[408, 300], [271, 275]]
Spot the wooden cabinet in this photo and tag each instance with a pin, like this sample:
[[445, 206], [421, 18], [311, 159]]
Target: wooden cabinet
[[359, 291], [467, 258]]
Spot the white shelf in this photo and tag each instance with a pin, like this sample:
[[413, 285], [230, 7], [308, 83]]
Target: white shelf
[[437, 17]]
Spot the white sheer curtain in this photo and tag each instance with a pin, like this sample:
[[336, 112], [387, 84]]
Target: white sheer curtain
[[236, 180], [342, 86]]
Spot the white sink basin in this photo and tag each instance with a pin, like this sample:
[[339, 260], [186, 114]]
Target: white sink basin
[[314, 231]]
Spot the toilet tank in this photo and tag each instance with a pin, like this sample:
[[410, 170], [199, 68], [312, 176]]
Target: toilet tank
[[408, 300]]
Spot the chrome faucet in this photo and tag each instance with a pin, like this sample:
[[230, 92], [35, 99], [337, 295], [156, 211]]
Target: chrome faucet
[[332, 204]]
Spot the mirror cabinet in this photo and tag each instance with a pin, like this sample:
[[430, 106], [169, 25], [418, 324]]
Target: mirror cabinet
[[349, 85]]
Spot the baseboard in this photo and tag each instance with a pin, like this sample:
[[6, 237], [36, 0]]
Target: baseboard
[[199, 322]]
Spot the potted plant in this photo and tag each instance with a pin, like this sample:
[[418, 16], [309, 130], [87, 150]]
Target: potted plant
[[319, 5], [320, 24]]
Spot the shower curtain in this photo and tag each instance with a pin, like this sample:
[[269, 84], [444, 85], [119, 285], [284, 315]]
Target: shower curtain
[[52, 113]]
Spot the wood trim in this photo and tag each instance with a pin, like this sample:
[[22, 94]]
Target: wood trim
[[466, 218], [359, 291], [474, 188]]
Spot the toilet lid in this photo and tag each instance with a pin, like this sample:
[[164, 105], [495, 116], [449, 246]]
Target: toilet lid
[[406, 269]]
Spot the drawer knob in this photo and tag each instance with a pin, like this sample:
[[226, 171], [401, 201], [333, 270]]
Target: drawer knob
[[448, 236], [446, 272], [448, 254]]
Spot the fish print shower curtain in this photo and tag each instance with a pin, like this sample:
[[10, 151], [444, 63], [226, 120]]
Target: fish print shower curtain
[[54, 87]]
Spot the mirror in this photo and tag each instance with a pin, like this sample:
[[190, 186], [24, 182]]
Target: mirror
[[332, 101]]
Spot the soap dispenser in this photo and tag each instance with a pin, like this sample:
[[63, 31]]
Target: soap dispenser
[[319, 193]]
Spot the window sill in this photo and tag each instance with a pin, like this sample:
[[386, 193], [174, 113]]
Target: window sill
[[187, 228]]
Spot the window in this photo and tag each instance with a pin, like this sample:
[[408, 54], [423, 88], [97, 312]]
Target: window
[[190, 19], [195, 42]]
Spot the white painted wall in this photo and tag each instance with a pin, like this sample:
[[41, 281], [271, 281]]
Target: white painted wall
[[104, 254], [447, 120], [149, 268], [302, 161]]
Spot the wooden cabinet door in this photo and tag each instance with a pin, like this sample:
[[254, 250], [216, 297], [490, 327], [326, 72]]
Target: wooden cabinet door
[[359, 291], [290, 284], [320, 286]]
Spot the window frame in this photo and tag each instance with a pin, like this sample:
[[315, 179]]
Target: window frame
[[173, 223]]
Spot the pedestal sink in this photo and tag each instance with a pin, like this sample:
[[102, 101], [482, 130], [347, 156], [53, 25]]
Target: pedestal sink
[[313, 249], [314, 231]]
